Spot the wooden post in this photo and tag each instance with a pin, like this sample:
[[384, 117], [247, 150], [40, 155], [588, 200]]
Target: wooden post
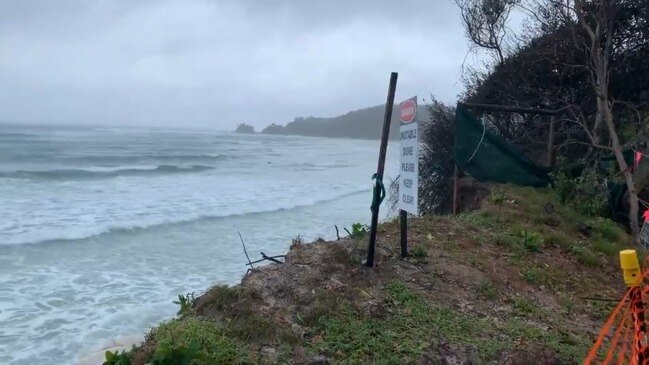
[[403, 217], [381, 167], [456, 176], [551, 155]]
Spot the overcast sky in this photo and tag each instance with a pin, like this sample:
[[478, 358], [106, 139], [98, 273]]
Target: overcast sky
[[214, 63]]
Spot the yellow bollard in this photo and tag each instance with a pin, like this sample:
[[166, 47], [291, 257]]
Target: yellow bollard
[[630, 267]]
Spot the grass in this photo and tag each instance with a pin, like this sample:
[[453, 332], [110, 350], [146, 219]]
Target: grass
[[527, 308], [479, 219], [215, 345], [522, 243], [218, 298], [415, 326], [419, 252], [534, 275], [531, 241], [487, 289], [607, 229], [605, 246], [558, 239], [566, 302], [585, 255], [325, 303]]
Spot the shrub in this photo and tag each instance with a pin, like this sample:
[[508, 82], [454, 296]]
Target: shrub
[[531, 241], [116, 358], [436, 164], [419, 252], [186, 303], [178, 339], [165, 354], [584, 192], [358, 231], [297, 240]]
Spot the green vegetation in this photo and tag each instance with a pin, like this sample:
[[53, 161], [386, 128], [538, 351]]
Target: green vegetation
[[186, 303], [117, 358], [585, 255], [415, 326], [507, 277], [583, 192], [533, 275], [488, 290], [194, 339], [532, 241], [165, 354], [498, 199], [359, 231], [419, 252]]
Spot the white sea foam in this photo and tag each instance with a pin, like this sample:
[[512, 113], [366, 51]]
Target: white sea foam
[[115, 252]]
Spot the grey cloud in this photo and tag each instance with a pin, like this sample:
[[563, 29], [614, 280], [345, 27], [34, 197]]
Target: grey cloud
[[216, 63]]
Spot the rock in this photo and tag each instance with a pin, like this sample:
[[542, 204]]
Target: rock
[[244, 128]]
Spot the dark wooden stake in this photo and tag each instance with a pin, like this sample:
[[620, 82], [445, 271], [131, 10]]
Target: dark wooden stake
[[389, 104], [456, 176], [403, 217], [244, 251], [551, 133], [337, 233]]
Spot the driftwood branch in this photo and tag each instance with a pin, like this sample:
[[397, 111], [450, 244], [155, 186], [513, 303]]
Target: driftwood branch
[[348, 232], [270, 257], [244, 250], [337, 233]]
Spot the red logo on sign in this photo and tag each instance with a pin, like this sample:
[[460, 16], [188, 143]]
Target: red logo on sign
[[408, 111]]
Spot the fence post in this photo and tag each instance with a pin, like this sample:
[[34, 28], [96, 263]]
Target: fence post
[[378, 184]]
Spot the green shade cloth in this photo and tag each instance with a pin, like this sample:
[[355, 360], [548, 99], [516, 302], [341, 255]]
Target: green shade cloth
[[487, 157]]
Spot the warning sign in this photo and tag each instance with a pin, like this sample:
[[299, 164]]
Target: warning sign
[[409, 174]]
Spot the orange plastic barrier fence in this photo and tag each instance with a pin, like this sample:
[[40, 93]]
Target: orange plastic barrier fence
[[623, 338]]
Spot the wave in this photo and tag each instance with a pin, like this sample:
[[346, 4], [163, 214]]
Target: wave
[[75, 174], [181, 221], [148, 158], [17, 135]]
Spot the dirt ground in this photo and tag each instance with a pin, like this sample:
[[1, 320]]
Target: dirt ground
[[512, 283]]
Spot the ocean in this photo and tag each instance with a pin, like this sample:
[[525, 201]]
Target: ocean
[[101, 229]]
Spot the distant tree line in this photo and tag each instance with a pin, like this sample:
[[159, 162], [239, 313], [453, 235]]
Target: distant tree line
[[359, 124]]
